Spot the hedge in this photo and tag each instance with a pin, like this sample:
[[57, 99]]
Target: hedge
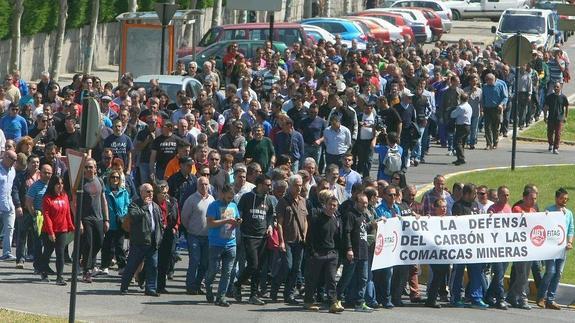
[[42, 15]]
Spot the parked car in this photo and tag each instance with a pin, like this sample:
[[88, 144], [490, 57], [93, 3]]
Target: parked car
[[415, 20], [439, 7], [561, 36], [434, 21], [288, 33], [395, 33], [317, 33], [218, 51], [171, 84], [466, 9], [373, 29], [537, 25], [394, 19], [348, 30]]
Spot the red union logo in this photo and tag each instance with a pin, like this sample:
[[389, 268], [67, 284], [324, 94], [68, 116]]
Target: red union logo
[[379, 244], [538, 235]]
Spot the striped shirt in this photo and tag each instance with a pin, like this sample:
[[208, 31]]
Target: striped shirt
[[555, 70]]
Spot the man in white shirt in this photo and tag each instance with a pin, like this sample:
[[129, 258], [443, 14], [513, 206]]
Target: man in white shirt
[[337, 139], [483, 201], [462, 115]]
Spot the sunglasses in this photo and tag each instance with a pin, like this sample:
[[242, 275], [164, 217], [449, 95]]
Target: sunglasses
[[205, 174], [114, 177]]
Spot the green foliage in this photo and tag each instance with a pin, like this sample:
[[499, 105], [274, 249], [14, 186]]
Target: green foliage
[[42, 15], [5, 13]]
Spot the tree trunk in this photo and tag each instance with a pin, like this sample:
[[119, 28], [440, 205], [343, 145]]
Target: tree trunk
[[217, 12], [346, 9], [132, 5], [89, 53], [17, 11], [288, 12], [188, 29], [59, 39]]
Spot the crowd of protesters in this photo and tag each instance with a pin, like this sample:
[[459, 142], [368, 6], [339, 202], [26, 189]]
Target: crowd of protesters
[[269, 180]]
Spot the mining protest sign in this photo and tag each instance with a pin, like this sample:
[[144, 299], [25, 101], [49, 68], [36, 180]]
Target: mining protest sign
[[479, 238]]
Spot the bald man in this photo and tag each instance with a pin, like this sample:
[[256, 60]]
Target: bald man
[[146, 231]]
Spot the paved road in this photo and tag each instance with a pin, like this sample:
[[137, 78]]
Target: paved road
[[101, 302]]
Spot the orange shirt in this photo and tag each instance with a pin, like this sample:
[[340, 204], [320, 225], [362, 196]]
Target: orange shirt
[[174, 167]]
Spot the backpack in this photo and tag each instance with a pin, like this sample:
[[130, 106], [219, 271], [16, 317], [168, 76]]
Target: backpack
[[392, 161]]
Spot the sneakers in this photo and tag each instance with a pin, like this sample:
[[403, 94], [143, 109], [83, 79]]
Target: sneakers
[[363, 308], [552, 306], [209, 295], [45, 278], [60, 281], [336, 307], [311, 307], [87, 278], [256, 301], [459, 304], [479, 305], [97, 271], [8, 257], [221, 302], [20, 265], [556, 151], [104, 271], [550, 148]]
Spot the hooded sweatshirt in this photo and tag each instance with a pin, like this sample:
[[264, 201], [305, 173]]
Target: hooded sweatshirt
[[257, 213]]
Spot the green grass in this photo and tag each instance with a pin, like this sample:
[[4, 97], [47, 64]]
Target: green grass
[[539, 129], [547, 179], [16, 317]]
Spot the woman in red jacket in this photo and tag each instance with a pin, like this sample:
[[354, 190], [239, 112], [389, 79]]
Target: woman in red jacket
[[57, 222]]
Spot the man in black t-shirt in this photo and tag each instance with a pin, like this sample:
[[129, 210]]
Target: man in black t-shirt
[[555, 114], [143, 145], [164, 149], [121, 145], [69, 138]]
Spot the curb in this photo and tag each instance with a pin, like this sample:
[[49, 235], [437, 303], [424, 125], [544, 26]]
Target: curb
[[531, 139]]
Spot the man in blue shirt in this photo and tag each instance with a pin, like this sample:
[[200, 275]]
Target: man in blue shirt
[[14, 125], [222, 218], [290, 142], [495, 96], [382, 277], [7, 209], [554, 267]]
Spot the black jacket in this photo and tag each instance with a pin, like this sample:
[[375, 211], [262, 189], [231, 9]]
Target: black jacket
[[141, 226], [356, 226]]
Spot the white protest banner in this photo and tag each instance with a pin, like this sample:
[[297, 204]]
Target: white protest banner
[[478, 238]]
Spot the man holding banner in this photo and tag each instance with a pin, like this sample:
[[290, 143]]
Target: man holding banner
[[554, 267], [440, 271]]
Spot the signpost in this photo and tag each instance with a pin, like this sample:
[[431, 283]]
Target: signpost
[[76, 160], [165, 12], [517, 52], [268, 5]]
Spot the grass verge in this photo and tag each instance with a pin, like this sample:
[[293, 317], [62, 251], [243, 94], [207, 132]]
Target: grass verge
[[539, 129], [17, 317]]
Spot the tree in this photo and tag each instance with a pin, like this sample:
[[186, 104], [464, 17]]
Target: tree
[[17, 11], [132, 5], [61, 29], [216, 13], [89, 53], [288, 12], [192, 4]]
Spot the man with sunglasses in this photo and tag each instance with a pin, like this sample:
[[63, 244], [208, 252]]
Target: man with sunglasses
[[14, 125], [164, 148], [43, 132]]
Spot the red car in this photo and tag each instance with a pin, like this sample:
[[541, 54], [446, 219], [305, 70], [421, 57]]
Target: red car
[[433, 20], [395, 19], [373, 30]]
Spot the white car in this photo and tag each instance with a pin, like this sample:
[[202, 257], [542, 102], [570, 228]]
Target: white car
[[439, 7], [417, 17], [318, 33], [467, 9], [537, 25]]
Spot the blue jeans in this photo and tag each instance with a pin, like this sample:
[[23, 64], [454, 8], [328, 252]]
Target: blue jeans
[[416, 152], [293, 258], [313, 151], [224, 257], [8, 219], [138, 253], [472, 140], [550, 281], [496, 290], [357, 269], [197, 261], [475, 286], [382, 281]]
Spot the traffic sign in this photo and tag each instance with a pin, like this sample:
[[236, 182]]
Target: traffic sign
[[255, 5], [91, 123], [76, 161], [166, 12], [516, 44], [564, 9]]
